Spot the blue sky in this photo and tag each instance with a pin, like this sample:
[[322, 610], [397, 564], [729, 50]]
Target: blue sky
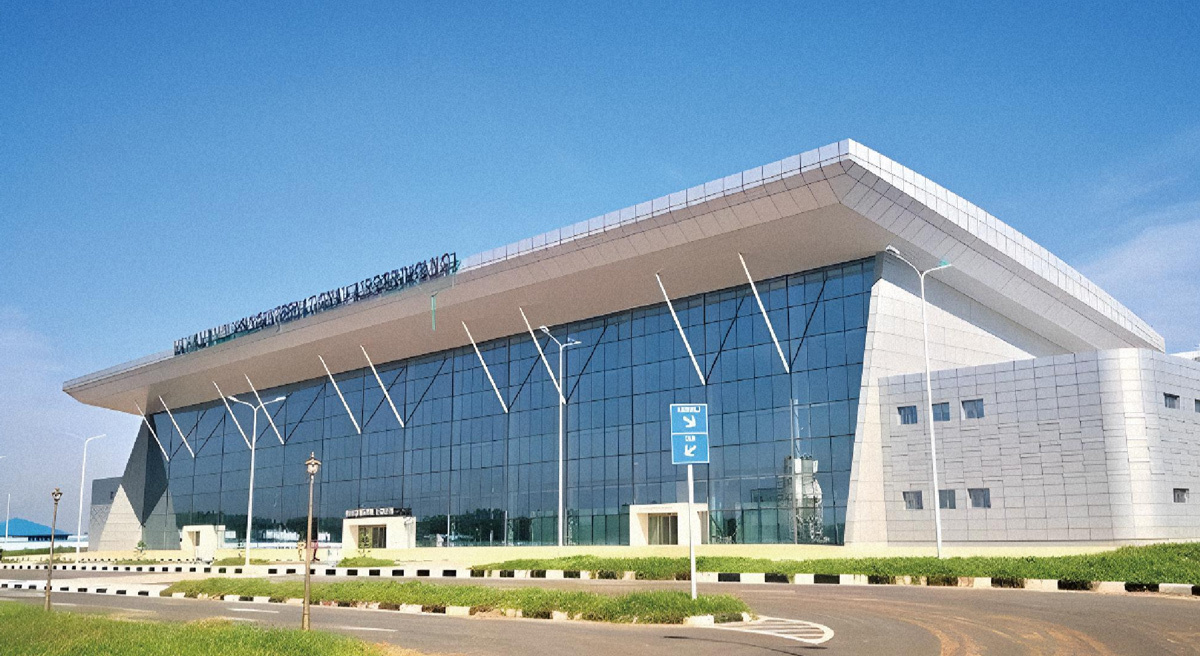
[[167, 168]]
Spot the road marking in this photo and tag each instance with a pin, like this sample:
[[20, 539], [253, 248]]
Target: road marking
[[253, 610], [238, 619], [807, 632], [364, 628]]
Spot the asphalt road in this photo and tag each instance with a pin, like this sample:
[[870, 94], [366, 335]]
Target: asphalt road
[[865, 620]]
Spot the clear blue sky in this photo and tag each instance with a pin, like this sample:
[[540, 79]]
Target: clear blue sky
[[164, 169]]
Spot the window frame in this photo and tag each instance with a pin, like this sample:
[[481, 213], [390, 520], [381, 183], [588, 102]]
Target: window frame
[[901, 415], [953, 496], [1181, 498], [986, 497], [944, 405], [913, 500], [1171, 401], [966, 415]]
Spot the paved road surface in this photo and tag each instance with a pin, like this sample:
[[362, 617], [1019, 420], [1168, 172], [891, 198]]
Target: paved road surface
[[865, 620]]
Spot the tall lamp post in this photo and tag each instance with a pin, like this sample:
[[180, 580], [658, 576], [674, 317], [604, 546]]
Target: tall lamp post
[[937, 495], [82, 482], [313, 465], [562, 409], [57, 495], [261, 405]]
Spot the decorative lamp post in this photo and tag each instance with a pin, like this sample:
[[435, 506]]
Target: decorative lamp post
[[57, 494], [82, 483], [937, 495], [313, 465], [562, 409]]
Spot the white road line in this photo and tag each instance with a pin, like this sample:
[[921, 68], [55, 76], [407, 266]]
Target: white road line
[[253, 610], [807, 632], [238, 619], [364, 628]]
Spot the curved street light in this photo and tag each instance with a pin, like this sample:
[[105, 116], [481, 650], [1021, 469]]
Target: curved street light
[[937, 495]]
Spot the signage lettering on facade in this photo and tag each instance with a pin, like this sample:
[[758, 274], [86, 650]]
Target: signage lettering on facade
[[413, 274], [378, 512]]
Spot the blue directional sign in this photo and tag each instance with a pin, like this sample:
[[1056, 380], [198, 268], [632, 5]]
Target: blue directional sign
[[689, 449], [689, 418], [689, 433]]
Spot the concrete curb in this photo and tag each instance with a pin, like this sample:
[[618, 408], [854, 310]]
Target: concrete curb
[[449, 611], [132, 590]]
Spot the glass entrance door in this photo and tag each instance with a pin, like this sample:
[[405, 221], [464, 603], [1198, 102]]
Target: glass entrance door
[[664, 529]]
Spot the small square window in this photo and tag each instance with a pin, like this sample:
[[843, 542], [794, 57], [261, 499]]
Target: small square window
[[1181, 495], [912, 500], [981, 497], [941, 412], [908, 414], [946, 499], [1171, 401], [1197, 405], [972, 409]]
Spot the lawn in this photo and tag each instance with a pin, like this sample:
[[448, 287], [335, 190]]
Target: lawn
[[235, 561], [656, 607], [1160, 563], [365, 561], [27, 630]]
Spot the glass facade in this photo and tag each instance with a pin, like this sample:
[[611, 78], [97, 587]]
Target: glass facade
[[781, 443]]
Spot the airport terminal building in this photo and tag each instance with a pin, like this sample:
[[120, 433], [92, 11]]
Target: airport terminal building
[[433, 396]]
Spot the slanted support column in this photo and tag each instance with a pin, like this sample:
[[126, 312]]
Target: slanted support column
[[682, 335], [762, 308], [339, 393], [562, 398], [152, 433], [233, 416], [264, 409], [382, 387], [176, 425], [499, 397]]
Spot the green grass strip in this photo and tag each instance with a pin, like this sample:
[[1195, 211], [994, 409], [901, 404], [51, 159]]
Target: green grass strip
[[365, 561], [26, 630], [238, 561], [656, 607], [1160, 563]]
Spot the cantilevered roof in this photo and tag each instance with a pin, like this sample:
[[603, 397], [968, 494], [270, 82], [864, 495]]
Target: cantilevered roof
[[833, 204]]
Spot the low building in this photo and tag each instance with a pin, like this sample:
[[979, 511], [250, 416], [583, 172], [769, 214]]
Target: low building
[[24, 531], [782, 297]]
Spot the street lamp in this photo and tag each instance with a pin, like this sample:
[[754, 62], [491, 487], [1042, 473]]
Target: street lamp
[[82, 482], [937, 495], [261, 405], [562, 409], [313, 465], [57, 495]]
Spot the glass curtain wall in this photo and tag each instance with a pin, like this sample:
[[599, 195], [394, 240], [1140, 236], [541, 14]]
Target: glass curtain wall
[[781, 444]]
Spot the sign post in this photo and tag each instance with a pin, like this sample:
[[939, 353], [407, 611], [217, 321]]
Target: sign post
[[689, 446]]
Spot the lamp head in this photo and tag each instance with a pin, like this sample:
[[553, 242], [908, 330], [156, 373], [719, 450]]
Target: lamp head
[[277, 399], [544, 329], [312, 464], [57, 494], [234, 398], [892, 250]]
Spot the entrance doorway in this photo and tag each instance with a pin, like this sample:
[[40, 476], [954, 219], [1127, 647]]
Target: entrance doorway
[[663, 529], [372, 537]]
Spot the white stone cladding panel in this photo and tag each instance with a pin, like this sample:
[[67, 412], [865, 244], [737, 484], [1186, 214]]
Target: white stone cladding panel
[[962, 332], [1077, 447]]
